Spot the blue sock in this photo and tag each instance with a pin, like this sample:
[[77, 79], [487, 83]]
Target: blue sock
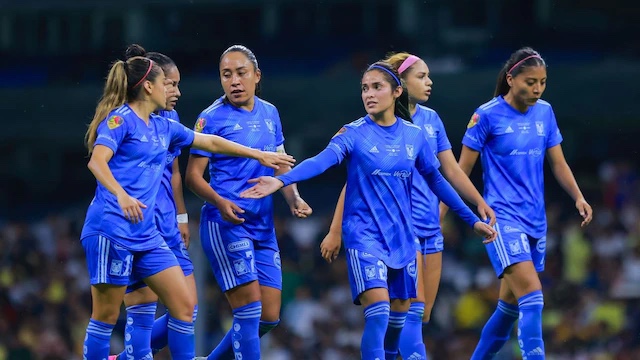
[[392, 336], [181, 339], [496, 331], [376, 319], [159, 334], [96, 340], [224, 350], [530, 326], [137, 332], [411, 343], [246, 320]]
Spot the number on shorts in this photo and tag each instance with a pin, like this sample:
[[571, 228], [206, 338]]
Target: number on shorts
[[252, 261], [525, 243], [382, 270]]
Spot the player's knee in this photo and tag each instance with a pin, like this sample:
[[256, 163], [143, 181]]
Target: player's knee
[[106, 313], [270, 314], [183, 309]]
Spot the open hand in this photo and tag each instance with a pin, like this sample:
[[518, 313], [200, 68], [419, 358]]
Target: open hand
[[265, 186], [275, 159], [131, 208]]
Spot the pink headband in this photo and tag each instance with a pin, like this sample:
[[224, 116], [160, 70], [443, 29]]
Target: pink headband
[[412, 59], [523, 60], [145, 75]]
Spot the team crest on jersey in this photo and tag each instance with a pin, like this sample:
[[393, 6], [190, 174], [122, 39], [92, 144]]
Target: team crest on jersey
[[200, 125], [409, 151], [540, 128], [341, 131], [473, 121], [114, 122], [430, 131], [270, 126]]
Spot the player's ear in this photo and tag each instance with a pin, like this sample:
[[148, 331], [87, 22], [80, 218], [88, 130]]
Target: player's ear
[[509, 80]]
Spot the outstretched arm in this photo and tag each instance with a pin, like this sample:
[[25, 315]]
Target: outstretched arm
[[218, 145], [267, 185]]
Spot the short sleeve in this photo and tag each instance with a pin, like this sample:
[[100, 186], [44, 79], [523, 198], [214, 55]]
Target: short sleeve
[[204, 125], [111, 132], [181, 136], [478, 130], [554, 137], [279, 133], [443, 141]]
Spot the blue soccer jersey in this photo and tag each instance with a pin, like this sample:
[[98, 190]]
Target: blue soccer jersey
[[140, 156], [381, 160], [165, 204], [259, 129], [512, 146], [426, 212]]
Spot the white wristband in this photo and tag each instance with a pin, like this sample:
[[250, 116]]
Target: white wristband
[[183, 218]]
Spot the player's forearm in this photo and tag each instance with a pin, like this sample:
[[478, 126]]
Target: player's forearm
[[567, 181], [218, 145], [447, 195], [460, 181], [199, 186], [178, 195], [336, 222], [102, 173], [290, 193], [310, 168]]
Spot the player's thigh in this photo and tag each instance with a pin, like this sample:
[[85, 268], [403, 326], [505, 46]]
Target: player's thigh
[[232, 259], [367, 278]]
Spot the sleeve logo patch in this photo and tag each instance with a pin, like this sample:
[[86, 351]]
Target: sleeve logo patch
[[114, 121], [341, 131], [200, 124], [473, 121]]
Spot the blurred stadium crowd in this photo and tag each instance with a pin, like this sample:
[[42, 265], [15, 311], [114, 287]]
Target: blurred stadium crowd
[[591, 285]]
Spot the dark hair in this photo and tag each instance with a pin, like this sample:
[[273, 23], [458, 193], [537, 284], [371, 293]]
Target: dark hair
[[123, 85], [391, 75], [515, 65], [250, 55], [165, 62]]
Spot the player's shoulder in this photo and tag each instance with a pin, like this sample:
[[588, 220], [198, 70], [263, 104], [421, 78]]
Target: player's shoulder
[[358, 123], [121, 116], [170, 114], [409, 125], [218, 107], [543, 103], [543, 107], [490, 106], [425, 114], [267, 105]]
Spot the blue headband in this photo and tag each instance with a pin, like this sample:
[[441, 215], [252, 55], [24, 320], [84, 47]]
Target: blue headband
[[387, 71]]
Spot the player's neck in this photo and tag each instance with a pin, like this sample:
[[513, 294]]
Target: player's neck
[[248, 106], [511, 100], [386, 118], [413, 107], [143, 109]]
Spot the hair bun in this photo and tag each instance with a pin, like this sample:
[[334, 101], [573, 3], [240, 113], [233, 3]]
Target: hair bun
[[134, 50]]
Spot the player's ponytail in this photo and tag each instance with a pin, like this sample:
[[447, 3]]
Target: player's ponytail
[[113, 96], [519, 60], [124, 84]]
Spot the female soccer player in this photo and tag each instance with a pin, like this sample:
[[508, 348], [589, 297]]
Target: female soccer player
[[238, 235], [128, 145], [414, 73], [140, 300], [512, 133], [383, 150]]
